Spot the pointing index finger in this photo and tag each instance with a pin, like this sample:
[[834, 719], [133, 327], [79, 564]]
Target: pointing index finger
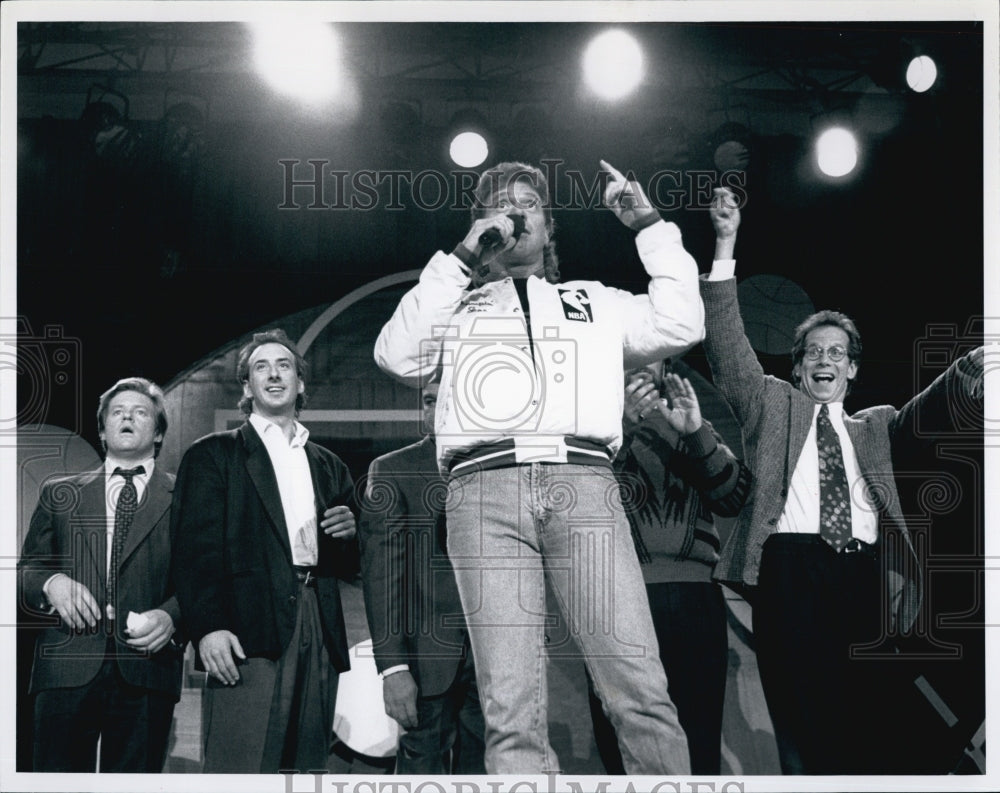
[[613, 171]]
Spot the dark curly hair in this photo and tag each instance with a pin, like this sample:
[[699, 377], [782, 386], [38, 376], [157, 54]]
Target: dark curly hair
[[272, 336]]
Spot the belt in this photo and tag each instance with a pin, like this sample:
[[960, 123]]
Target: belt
[[854, 545], [503, 454], [306, 576]]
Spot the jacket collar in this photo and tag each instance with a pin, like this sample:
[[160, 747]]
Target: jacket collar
[[155, 503], [261, 472]]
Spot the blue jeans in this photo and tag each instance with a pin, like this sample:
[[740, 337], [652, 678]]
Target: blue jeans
[[509, 529]]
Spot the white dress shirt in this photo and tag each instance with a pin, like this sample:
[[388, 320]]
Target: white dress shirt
[[298, 498], [801, 512], [112, 490]]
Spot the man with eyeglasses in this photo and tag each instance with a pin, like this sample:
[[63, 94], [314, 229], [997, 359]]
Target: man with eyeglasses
[[821, 549]]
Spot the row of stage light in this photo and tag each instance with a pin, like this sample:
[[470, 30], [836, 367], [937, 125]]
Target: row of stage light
[[303, 60]]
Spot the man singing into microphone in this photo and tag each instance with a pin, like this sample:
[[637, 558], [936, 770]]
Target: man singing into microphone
[[529, 416]]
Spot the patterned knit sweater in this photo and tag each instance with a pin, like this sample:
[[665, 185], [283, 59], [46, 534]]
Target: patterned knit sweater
[[670, 487]]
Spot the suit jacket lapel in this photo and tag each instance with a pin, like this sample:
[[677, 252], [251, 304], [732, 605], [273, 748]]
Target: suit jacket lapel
[[261, 473], [90, 519], [322, 478], [858, 431], [800, 422], [155, 501]]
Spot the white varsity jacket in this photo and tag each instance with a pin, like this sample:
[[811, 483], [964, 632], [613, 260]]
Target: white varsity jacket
[[531, 393]]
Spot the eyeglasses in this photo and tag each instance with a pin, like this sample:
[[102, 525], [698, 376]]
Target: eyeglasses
[[835, 353]]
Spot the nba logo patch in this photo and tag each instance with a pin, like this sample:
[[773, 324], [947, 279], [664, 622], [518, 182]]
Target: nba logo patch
[[576, 305]]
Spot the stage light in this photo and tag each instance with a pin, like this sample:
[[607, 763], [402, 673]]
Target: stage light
[[469, 144], [921, 73], [836, 152], [613, 64], [301, 59], [469, 149]]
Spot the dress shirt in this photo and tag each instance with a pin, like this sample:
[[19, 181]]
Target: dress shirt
[[801, 512], [295, 485], [113, 488]]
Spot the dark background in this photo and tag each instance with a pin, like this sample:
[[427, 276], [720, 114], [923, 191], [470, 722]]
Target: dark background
[[156, 252]]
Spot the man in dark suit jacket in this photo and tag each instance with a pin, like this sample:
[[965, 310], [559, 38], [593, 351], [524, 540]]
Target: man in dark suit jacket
[[418, 629], [264, 527], [826, 611], [97, 559]]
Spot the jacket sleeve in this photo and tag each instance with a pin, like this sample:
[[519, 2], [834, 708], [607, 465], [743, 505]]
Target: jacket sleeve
[[40, 555], [198, 517], [951, 404], [170, 605], [736, 372], [715, 472], [347, 559], [383, 565], [409, 345], [670, 319]]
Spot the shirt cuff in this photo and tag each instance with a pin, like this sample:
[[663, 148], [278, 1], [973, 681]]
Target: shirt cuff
[[648, 221], [466, 257], [722, 270], [397, 668], [47, 602]]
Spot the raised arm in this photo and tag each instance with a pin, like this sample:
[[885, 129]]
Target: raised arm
[[952, 403], [669, 320], [409, 345], [704, 461], [736, 371]]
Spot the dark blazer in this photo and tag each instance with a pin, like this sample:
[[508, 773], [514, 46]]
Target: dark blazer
[[776, 418], [232, 558], [68, 534], [411, 598]]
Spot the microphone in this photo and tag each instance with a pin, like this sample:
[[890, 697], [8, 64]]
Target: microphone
[[491, 237]]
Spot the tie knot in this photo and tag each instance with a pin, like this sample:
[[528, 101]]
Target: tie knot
[[824, 413], [128, 473]]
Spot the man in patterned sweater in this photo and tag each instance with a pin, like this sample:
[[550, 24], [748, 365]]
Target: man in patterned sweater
[[674, 472]]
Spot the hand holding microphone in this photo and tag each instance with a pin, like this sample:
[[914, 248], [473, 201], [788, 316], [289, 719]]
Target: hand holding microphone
[[493, 232], [492, 237]]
